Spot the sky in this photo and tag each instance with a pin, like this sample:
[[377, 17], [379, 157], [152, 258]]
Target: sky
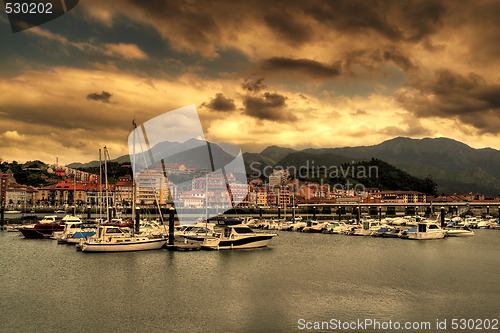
[[260, 73]]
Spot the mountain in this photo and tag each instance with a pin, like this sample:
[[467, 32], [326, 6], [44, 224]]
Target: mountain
[[297, 159], [276, 153], [192, 153], [453, 165]]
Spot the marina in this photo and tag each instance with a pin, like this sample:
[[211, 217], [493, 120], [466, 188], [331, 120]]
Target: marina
[[299, 275]]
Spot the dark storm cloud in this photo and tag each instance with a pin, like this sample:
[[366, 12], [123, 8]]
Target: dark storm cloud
[[253, 85], [194, 23], [286, 25], [421, 18], [451, 95], [298, 67], [355, 17], [270, 106], [220, 103], [395, 20], [102, 97], [372, 60], [204, 28]]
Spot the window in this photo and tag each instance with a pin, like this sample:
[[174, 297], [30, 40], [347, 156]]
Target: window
[[243, 230]]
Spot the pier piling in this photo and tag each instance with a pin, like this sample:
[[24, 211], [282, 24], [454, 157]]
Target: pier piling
[[137, 221], [171, 226], [2, 210], [279, 213], [442, 217]]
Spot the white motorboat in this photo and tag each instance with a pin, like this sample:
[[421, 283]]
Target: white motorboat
[[114, 239], [366, 229], [336, 227], [315, 227], [426, 231], [59, 235], [459, 232], [237, 237]]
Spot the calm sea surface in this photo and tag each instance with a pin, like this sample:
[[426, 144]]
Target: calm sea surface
[[46, 287]]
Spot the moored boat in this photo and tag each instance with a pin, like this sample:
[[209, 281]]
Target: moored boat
[[237, 237], [114, 239], [459, 232], [44, 229], [426, 231]]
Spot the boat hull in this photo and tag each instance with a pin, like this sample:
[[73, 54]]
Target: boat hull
[[425, 236], [242, 243], [459, 233], [154, 244]]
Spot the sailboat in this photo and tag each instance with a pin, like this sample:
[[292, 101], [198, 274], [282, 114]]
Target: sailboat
[[115, 239]]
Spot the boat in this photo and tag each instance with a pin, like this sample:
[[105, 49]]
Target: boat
[[238, 236], [366, 229], [115, 239], [74, 232], [111, 237], [335, 228], [196, 232], [459, 232], [426, 231], [58, 235], [315, 227], [44, 229], [12, 212]]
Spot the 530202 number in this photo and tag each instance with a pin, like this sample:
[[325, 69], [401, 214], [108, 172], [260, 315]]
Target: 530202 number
[[28, 8]]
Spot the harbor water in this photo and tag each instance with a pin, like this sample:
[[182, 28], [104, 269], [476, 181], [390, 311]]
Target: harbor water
[[46, 287]]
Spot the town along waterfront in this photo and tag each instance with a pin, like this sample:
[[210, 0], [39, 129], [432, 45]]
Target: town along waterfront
[[316, 277]]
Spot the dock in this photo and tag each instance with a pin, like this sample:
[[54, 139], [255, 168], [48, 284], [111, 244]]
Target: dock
[[183, 247]]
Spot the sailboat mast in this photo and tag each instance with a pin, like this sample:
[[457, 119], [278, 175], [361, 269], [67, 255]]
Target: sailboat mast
[[106, 177], [134, 191], [99, 197], [206, 204], [74, 193]]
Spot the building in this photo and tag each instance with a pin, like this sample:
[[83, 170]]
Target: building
[[124, 190], [278, 177], [152, 188], [5, 180], [401, 196], [17, 194]]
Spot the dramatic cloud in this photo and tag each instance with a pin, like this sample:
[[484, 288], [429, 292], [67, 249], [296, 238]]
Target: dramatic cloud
[[253, 86], [127, 51], [337, 73], [289, 26], [102, 97], [298, 68], [271, 106], [220, 103], [373, 60], [446, 94]]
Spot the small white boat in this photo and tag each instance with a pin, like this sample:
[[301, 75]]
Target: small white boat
[[12, 212], [114, 239], [459, 232], [427, 231], [335, 228], [237, 236]]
